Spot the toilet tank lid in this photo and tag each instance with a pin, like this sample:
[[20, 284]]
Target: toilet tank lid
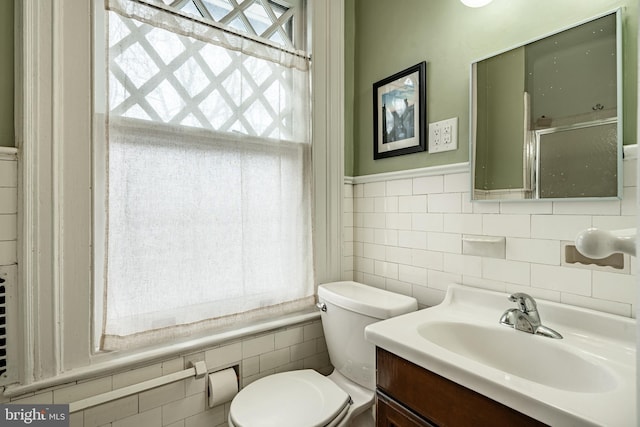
[[366, 300]]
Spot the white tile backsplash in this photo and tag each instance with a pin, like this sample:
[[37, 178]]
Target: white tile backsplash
[[441, 213], [400, 187], [558, 227], [289, 337], [428, 259], [8, 200], [457, 182], [258, 345], [397, 254], [225, 355], [428, 185], [614, 287], [507, 271], [388, 270], [463, 223], [570, 280], [386, 237], [412, 203], [398, 221], [159, 396], [508, 225], [534, 250], [441, 280], [413, 275], [374, 189], [444, 242], [148, 418], [609, 207], [445, 203], [9, 173], [427, 221], [412, 239], [8, 227], [466, 265], [136, 375], [522, 207]]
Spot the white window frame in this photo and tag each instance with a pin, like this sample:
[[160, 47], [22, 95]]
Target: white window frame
[[54, 109]]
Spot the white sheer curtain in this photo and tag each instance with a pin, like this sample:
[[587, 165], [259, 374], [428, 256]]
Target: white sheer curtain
[[208, 208]]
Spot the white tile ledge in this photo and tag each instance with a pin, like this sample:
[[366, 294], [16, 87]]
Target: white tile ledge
[[630, 152], [409, 173], [112, 363], [8, 153]]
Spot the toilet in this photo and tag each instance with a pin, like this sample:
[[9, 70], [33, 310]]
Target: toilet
[[305, 398]]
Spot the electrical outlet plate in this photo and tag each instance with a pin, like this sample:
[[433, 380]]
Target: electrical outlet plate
[[443, 135]]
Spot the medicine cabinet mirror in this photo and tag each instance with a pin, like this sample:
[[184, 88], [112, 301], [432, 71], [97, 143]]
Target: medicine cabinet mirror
[[546, 117]]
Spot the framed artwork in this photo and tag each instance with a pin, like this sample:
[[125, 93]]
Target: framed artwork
[[399, 113]]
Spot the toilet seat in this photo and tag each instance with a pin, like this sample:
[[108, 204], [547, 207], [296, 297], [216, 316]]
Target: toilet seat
[[290, 399]]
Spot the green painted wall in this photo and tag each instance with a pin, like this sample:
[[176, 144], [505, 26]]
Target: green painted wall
[[6, 73], [391, 35]]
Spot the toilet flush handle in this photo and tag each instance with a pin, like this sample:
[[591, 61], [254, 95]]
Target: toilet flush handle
[[321, 306]]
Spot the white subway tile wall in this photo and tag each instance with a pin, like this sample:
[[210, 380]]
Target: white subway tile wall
[[185, 403], [405, 235], [8, 211]]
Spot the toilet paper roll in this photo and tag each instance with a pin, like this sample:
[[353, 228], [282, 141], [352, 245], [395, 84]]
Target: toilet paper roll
[[223, 386]]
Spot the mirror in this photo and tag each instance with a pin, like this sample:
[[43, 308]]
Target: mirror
[[546, 117]]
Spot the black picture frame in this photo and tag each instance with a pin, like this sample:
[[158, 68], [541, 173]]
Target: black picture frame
[[399, 113]]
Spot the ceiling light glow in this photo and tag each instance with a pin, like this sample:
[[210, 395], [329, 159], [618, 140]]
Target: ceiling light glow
[[475, 3]]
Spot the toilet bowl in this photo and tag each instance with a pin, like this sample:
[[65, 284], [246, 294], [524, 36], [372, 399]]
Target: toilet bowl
[[305, 398]]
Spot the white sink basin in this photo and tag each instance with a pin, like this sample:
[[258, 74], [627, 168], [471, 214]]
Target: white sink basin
[[538, 359], [588, 378]]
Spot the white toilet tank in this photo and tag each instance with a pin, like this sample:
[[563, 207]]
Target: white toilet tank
[[350, 307]]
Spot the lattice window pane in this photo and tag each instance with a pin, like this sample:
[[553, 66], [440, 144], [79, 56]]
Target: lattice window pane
[[158, 75], [277, 38], [218, 8], [257, 17], [237, 24], [191, 9]]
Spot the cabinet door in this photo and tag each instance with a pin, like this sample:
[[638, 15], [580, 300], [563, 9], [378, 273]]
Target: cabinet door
[[391, 414], [440, 400]]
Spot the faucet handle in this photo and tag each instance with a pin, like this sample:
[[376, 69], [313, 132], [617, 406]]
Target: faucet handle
[[525, 302]]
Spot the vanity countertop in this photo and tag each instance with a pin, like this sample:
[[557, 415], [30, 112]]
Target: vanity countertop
[[587, 378]]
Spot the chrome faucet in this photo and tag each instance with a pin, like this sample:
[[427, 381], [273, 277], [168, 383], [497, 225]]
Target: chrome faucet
[[525, 318]]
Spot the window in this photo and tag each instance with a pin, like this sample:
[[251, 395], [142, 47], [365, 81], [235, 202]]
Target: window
[[266, 19], [53, 340], [208, 197]]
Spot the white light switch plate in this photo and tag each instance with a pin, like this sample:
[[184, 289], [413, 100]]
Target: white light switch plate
[[443, 135]]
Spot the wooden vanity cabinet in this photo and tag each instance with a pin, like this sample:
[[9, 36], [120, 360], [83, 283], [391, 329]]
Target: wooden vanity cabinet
[[410, 396]]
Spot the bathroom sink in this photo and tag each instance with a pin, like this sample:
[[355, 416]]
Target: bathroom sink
[[587, 378], [538, 359]]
